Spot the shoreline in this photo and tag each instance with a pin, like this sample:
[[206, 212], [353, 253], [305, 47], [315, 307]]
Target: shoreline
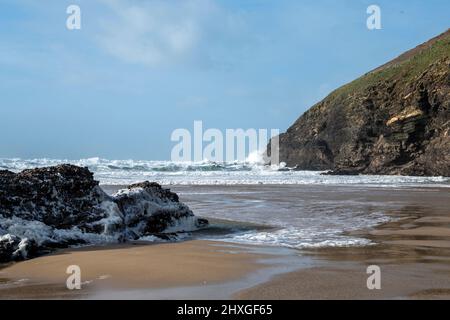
[[411, 250], [201, 269], [149, 271], [414, 265]]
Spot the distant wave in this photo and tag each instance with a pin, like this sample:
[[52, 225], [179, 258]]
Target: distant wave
[[121, 172], [98, 164]]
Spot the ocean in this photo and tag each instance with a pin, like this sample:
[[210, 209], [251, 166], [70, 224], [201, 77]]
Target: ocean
[[124, 172], [255, 204]]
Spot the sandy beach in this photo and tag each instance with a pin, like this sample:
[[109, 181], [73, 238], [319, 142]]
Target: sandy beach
[[224, 150], [412, 253], [410, 270], [411, 250], [132, 267]]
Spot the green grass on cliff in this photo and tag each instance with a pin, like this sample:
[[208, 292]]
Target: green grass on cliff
[[403, 69]]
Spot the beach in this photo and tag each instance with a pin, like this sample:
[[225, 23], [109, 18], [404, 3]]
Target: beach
[[411, 247], [220, 150], [129, 267]]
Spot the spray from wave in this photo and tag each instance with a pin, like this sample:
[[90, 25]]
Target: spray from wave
[[251, 171]]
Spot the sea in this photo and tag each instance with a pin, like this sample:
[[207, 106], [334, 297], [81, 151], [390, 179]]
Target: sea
[[251, 203]]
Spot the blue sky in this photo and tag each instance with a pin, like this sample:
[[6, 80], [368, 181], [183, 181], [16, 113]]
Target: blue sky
[[137, 70]]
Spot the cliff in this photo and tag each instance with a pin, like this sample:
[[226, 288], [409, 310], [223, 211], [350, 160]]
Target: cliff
[[393, 120]]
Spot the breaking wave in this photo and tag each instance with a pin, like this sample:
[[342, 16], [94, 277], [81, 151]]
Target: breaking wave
[[251, 172]]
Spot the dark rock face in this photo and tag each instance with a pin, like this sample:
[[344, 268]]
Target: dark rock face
[[393, 120], [57, 207], [61, 197]]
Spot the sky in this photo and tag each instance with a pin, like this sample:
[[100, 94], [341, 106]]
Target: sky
[[138, 70]]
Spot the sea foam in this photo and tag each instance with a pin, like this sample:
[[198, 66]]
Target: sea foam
[[250, 172]]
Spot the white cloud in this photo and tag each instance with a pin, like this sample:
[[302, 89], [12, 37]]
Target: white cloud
[[156, 32]]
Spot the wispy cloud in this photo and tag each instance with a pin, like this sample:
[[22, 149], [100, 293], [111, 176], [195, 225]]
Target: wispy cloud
[[156, 32]]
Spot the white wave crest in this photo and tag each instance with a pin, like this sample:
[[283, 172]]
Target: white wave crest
[[250, 172]]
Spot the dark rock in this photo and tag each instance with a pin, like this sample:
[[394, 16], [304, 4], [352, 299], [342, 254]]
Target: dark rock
[[393, 120], [13, 248], [61, 197], [150, 209], [58, 207], [202, 222], [341, 172]]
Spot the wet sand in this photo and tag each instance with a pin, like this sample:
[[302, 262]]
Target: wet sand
[[413, 253], [130, 267], [416, 281]]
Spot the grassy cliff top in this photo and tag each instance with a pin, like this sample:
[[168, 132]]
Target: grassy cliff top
[[403, 69]]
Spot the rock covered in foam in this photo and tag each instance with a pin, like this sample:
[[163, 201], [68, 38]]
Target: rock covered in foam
[[15, 248], [149, 209], [57, 207]]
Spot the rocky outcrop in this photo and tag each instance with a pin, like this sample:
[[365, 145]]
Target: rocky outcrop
[[57, 207], [148, 209], [393, 120]]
